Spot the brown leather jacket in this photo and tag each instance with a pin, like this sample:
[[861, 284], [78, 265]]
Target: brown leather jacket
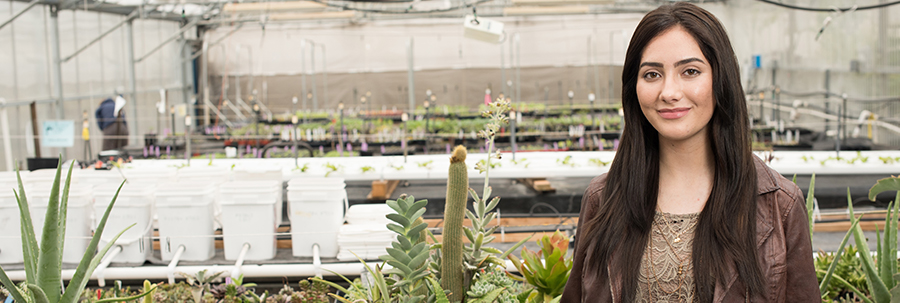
[[785, 251]]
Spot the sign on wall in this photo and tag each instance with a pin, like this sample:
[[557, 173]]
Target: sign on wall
[[60, 133]]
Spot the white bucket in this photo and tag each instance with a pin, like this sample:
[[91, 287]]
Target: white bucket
[[248, 216], [272, 173], [204, 173], [185, 216], [10, 228], [78, 218], [317, 212], [149, 175], [133, 206]]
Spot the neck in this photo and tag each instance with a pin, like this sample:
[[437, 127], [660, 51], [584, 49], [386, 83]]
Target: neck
[[686, 175]]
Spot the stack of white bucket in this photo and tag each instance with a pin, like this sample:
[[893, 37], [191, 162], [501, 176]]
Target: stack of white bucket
[[316, 212], [248, 218], [133, 206], [366, 234], [187, 212], [78, 217]]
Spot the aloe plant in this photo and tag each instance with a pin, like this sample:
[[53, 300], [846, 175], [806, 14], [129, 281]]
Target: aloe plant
[[43, 263], [881, 271], [546, 269]]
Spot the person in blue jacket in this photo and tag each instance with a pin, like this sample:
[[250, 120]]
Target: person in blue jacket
[[111, 120]]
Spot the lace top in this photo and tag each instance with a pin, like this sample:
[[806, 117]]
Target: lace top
[[666, 268]]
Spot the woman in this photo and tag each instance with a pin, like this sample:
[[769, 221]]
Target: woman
[[687, 213]]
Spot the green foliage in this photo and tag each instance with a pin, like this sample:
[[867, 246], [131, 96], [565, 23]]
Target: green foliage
[[366, 169], [880, 269], [332, 168], [43, 264], [303, 168], [550, 275], [310, 291], [407, 255], [200, 282], [848, 267], [567, 161], [598, 162], [477, 255], [494, 285], [425, 164]]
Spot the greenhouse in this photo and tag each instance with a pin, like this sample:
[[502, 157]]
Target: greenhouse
[[476, 151]]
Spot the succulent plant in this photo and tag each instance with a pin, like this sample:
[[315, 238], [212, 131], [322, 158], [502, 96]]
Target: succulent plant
[[550, 275], [452, 269]]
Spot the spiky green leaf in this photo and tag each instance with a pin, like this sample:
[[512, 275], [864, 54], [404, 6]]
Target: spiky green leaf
[[126, 299], [49, 271], [837, 256]]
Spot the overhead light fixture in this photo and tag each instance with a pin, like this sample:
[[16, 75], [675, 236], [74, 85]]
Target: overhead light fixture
[[546, 10], [482, 29], [258, 7], [312, 16]]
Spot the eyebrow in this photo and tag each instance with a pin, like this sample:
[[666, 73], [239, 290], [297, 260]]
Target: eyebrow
[[679, 63]]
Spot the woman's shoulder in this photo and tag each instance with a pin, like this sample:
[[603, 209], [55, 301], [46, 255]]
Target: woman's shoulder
[[776, 191], [591, 199]]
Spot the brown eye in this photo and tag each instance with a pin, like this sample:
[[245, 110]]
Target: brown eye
[[651, 75], [692, 72]]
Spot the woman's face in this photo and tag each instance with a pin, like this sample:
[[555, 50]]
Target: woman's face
[[674, 87]]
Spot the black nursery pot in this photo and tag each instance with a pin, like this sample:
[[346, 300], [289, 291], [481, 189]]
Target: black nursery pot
[[41, 163]]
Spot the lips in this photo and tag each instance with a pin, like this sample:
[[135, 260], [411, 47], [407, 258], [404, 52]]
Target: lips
[[674, 113]]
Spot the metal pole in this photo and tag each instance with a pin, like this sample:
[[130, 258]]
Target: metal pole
[[303, 72], [596, 69], [132, 79], [518, 68], [7, 141], [512, 122], [10, 20], [57, 66], [503, 71], [204, 81], [827, 94], [186, 93], [312, 65], [412, 84], [776, 112], [324, 74]]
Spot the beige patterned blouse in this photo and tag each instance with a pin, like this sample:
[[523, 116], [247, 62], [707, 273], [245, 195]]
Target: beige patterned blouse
[[666, 268]]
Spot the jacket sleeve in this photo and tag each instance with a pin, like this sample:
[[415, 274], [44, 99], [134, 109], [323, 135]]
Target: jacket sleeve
[[572, 293], [801, 282]]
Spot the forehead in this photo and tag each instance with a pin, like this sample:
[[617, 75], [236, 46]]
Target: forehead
[[672, 45]]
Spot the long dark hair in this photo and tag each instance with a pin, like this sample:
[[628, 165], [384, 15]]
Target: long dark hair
[[726, 231]]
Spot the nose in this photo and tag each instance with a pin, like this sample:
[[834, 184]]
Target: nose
[[672, 90]]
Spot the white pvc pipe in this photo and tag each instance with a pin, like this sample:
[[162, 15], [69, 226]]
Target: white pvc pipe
[[7, 142], [251, 271], [98, 273], [170, 270], [236, 272], [317, 261]]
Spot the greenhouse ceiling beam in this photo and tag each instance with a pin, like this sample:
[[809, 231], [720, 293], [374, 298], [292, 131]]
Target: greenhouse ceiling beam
[[10, 20], [109, 31], [170, 39]]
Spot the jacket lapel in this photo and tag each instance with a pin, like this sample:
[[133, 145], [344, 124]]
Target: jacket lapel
[[766, 184]]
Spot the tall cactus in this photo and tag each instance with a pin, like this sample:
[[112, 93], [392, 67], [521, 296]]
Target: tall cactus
[[452, 271]]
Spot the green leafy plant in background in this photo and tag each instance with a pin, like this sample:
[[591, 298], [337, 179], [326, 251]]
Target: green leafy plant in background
[[881, 271], [848, 268], [598, 162], [331, 168], [43, 264], [546, 269], [425, 164], [567, 161], [303, 168], [234, 290], [366, 169]]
